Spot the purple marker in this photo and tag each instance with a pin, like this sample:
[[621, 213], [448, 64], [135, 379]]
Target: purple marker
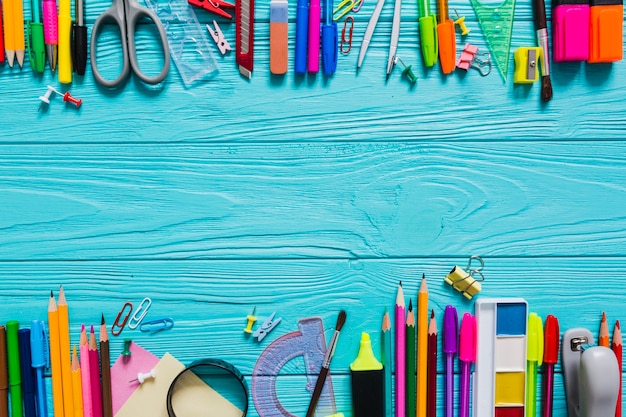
[[450, 329]]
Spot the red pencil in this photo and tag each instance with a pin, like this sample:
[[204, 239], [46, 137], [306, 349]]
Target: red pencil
[[617, 348], [431, 386]]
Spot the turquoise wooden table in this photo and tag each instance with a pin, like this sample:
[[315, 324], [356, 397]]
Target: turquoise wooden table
[[307, 195]]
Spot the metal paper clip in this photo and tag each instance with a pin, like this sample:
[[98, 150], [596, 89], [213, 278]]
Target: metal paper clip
[[140, 313], [117, 327], [218, 36], [157, 325], [266, 327], [464, 280], [347, 40]]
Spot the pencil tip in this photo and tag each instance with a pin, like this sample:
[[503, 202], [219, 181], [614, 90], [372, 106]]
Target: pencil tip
[[82, 329], [51, 294], [423, 275], [410, 304], [432, 313], [92, 328], [603, 316], [400, 283], [102, 321]]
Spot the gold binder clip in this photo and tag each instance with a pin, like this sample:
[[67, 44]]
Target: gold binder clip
[[465, 280]]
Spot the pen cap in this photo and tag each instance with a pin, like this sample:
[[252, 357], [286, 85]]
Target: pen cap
[[368, 382], [37, 339], [329, 48], [467, 340], [28, 373], [447, 46], [534, 347], [569, 39], [428, 37], [450, 328], [551, 341], [36, 47], [605, 35]]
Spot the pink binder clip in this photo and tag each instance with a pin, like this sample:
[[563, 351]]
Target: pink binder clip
[[468, 59]]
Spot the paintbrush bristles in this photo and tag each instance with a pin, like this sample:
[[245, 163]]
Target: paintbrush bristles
[[546, 89], [341, 320]]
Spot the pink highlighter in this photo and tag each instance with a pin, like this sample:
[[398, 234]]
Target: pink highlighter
[[570, 30], [314, 36]]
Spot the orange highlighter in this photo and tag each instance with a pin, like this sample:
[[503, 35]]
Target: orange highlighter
[[605, 32], [278, 36], [447, 38]]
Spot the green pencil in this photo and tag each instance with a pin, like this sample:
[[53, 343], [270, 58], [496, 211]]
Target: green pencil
[[386, 350], [410, 362]]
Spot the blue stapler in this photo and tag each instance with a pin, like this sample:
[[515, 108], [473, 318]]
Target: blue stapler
[[591, 375]]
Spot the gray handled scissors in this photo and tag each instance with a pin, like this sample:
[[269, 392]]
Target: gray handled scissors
[[126, 14]]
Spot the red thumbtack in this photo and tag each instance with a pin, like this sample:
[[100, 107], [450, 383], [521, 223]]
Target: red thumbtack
[[68, 97]]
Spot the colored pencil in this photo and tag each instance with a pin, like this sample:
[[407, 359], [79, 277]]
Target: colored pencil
[[77, 385], [105, 363], [422, 348], [66, 356], [386, 356], [94, 369], [410, 362], [4, 374], [55, 357], [617, 348], [400, 354], [85, 373], [603, 337], [432, 367]]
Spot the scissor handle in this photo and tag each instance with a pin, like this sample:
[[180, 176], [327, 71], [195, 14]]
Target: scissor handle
[[114, 14], [134, 12]]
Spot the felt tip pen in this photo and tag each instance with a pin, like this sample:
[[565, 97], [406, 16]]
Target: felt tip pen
[[606, 18], [368, 381], [534, 356], [15, 375], [450, 328], [467, 356], [37, 50], [329, 40], [302, 30], [551, 338], [428, 34], [28, 374], [314, 36], [570, 40]]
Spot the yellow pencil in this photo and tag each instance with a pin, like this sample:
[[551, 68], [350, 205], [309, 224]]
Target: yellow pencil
[[55, 357], [14, 31], [422, 348], [77, 385], [66, 357]]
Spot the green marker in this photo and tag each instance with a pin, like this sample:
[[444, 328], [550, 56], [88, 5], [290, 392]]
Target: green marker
[[36, 46], [428, 34], [15, 375], [368, 382], [534, 355]]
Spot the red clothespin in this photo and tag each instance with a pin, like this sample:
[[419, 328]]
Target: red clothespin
[[214, 6]]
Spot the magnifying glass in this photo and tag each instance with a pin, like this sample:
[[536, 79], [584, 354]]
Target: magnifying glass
[[208, 388]]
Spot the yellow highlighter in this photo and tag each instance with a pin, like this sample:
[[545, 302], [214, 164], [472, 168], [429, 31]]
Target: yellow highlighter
[[534, 355], [65, 31], [447, 38]]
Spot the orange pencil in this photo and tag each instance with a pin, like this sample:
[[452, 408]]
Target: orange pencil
[[55, 357], [617, 348], [603, 337], [66, 355], [77, 386], [422, 348]]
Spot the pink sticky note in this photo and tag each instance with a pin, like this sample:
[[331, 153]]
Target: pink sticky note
[[126, 369]]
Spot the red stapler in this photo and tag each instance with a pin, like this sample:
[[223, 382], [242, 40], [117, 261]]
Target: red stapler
[[214, 6]]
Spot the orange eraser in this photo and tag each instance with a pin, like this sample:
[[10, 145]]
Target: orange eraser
[[447, 46], [279, 36], [605, 32]]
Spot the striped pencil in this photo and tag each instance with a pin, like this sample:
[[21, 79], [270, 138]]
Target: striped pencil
[[617, 348], [386, 356], [603, 337], [410, 361], [85, 373], [400, 354], [422, 347]]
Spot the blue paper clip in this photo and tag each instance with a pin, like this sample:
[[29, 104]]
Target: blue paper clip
[[266, 327], [140, 313], [117, 327], [157, 325]]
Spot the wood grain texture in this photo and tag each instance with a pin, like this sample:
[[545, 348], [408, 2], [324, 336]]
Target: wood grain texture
[[312, 200]]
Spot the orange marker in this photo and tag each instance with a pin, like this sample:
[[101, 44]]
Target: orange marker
[[446, 37], [278, 36], [605, 33]]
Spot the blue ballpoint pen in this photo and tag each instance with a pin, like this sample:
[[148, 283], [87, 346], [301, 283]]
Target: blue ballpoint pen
[[28, 375], [302, 32], [329, 40], [450, 329], [38, 359]]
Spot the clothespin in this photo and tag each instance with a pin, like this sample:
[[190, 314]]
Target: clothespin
[[214, 6], [267, 326], [464, 280], [218, 37], [592, 376], [469, 60]]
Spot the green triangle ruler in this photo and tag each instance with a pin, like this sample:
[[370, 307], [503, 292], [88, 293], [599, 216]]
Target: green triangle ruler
[[497, 26]]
